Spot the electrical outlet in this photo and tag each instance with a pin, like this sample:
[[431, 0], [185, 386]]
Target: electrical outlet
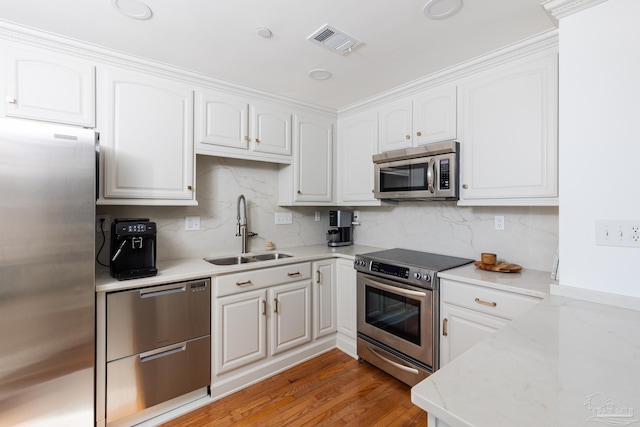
[[317, 217], [106, 226], [623, 233], [283, 218], [356, 216], [499, 222], [192, 223]]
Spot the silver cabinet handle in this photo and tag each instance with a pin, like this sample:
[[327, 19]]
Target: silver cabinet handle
[[275, 303], [162, 290], [444, 327], [264, 307], [490, 304], [248, 282], [162, 352], [297, 273], [319, 276], [11, 100]]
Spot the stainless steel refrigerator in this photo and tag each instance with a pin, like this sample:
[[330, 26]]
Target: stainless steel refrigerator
[[47, 285]]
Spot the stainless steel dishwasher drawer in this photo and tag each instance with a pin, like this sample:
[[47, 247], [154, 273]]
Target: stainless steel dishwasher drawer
[[140, 381], [140, 320]]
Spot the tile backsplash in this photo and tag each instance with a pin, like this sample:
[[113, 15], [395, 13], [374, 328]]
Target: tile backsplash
[[530, 237]]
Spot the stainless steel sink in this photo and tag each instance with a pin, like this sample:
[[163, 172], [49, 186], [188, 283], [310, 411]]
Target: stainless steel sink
[[270, 256], [231, 260], [234, 260]]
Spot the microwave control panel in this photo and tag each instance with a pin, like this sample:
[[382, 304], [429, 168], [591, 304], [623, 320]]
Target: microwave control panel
[[444, 174]]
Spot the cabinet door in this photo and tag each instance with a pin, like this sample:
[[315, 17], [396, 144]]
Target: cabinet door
[[291, 311], [509, 133], [346, 302], [271, 129], [435, 116], [324, 298], [146, 137], [358, 142], [396, 125], [313, 159], [222, 119], [51, 87], [240, 330], [461, 329]]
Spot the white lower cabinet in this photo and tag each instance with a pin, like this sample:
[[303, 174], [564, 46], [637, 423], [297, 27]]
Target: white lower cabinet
[[469, 313], [270, 319], [346, 307], [324, 298]]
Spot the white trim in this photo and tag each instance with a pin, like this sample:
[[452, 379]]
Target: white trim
[[617, 300], [562, 8]]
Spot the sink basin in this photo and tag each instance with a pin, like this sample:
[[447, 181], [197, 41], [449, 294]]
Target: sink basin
[[270, 256], [231, 260], [234, 260]]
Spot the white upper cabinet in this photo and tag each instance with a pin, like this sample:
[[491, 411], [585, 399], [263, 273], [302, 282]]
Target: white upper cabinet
[[309, 179], [509, 149], [146, 139], [428, 116], [48, 86], [232, 126], [358, 142]]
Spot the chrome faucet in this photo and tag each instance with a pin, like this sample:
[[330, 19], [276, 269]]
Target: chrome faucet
[[241, 227]]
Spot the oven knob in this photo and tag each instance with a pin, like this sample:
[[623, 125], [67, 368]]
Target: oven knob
[[418, 276], [427, 278]]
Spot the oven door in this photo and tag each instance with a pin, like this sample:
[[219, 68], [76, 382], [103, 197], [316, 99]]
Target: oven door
[[397, 315]]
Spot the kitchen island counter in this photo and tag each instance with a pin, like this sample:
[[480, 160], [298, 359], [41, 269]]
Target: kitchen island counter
[[564, 363], [193, 268]]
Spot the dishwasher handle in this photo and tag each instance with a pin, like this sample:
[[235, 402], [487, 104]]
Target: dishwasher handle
[[157, 291], [162, 352]]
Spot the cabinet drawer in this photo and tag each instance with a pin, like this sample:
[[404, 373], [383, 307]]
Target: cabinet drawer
[[143, 319], [257, 279], [486, 300], [141, 381]]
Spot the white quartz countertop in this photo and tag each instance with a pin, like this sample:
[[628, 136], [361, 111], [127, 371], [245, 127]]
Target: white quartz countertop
[[564, 363], [193, 268], [526, 282]]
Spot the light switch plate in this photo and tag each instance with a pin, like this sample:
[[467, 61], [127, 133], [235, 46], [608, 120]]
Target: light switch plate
[[617, 232], [192, 223], [284, 218]]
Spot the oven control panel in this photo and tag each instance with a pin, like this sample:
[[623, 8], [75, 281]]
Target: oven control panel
[[404, 273]]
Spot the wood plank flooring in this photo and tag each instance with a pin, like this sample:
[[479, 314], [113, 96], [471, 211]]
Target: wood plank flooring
[[331, 390]]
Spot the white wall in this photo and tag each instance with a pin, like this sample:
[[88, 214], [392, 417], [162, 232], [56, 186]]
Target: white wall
[[530, 238], [599, 143]]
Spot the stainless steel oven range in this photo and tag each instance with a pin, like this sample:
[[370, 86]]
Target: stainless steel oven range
[[398, 298]]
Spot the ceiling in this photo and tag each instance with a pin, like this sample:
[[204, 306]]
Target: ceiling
[[218, 38]]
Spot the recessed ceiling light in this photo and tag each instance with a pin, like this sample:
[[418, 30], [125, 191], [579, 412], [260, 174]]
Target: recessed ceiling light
[[440, 9], [264, 32], [319, 74], [134, 9]]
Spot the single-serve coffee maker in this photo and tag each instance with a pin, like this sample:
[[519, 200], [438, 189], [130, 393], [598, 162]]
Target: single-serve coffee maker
[[133, 248], [342, 234]]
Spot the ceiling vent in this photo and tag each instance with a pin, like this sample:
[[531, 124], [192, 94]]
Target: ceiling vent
[[335, 40]]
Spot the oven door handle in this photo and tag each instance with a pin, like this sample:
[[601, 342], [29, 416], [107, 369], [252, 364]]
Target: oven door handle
[[431, 173], [405, 368], [397, 290]]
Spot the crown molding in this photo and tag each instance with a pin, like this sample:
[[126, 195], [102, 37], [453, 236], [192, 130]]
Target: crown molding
[[558, 9]]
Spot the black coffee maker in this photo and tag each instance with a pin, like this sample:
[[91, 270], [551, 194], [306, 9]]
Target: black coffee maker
[[133, 248]]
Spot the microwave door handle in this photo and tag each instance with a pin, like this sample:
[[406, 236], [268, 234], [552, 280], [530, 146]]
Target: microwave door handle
[[431, 171]]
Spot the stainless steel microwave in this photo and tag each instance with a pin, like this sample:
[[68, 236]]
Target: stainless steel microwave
[[428, 172]]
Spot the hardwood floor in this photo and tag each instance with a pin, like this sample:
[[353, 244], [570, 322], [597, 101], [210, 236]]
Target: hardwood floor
[[330, 390]]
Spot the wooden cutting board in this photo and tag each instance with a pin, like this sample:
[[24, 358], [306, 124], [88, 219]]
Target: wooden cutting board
[[502, 267]]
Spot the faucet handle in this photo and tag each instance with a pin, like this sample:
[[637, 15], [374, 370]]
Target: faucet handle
[[238, 230], [251, 234]]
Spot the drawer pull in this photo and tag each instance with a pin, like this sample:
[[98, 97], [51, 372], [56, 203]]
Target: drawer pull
[[275, 302], [248, 282], [490, 304], [264, 307], [297, 273], [162, 352], [162, 290], [319, 276], [444, 327]]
